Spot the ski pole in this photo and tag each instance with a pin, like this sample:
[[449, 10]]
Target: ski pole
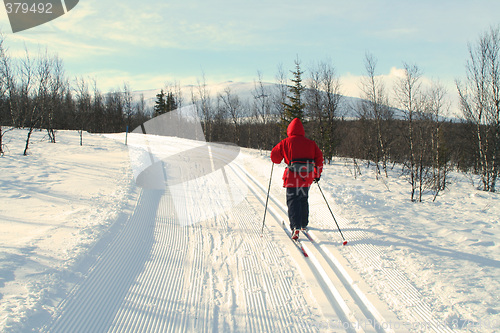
[[345, 242], [267, 199]]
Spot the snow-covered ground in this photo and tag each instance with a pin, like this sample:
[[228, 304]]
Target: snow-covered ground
[[84, 249], [54, 205]]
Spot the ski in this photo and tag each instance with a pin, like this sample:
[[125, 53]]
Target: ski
[[300, 247], [306, 233], [297, 243]]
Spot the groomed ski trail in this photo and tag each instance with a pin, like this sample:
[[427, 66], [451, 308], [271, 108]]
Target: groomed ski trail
[[155, 275], [222, 274]]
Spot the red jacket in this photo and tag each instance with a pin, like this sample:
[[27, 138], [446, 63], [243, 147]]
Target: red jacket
[[297, 146]]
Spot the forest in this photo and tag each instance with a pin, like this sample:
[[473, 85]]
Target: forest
[[408, 125]]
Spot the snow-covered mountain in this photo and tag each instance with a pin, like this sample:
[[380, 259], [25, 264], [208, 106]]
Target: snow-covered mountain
[[348, 108], [245, 92]]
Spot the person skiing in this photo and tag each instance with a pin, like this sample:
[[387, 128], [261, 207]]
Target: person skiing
[[305, 164]]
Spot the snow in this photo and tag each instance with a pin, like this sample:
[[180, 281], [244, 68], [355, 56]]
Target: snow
[[81, 240], [54, 204], [448, 249]]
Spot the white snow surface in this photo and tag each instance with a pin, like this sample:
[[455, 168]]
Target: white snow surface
[[83, 249]]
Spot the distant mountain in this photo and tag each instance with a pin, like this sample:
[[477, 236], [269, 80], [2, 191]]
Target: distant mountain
[[242, 89], [245, 92]]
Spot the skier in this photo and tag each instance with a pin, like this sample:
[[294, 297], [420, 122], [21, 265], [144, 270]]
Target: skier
[[305, 164]]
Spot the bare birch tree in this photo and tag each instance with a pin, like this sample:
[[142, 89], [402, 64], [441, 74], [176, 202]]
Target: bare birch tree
[[324, 98], [375, 108], [128, 108], [232, 107], [437, 106], [203, 102], [83, 106], [280, 97], [262, 104], [29, 114], [57, 84], [408, 96], [5, 84], [480, 104]]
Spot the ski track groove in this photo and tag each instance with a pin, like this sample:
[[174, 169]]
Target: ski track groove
[[117, 278], [264, 284], [141, 296], [294, 300], [414, 302], [171, 284], [253, 293], [400, 285], [337, 302]]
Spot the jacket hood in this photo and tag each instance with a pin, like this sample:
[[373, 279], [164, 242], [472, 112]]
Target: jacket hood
[[295, 128]]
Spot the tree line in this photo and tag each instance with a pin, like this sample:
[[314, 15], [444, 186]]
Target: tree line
[[409, 130], [35, 93], [406, 125]]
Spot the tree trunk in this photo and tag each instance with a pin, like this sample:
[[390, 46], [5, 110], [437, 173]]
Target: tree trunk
[[1, 144], [28, 141]]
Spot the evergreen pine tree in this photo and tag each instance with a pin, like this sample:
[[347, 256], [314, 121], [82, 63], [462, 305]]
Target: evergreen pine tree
[[294, 109], [160, 104], [171, 104], [164, 103]]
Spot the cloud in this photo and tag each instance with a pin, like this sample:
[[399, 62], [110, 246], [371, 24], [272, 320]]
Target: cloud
[[65, 48], [395, 33], [351, 86], [77, 18], [196, 25], [157, 24]]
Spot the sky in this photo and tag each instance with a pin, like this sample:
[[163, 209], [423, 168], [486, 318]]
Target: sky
[[147, 44]]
